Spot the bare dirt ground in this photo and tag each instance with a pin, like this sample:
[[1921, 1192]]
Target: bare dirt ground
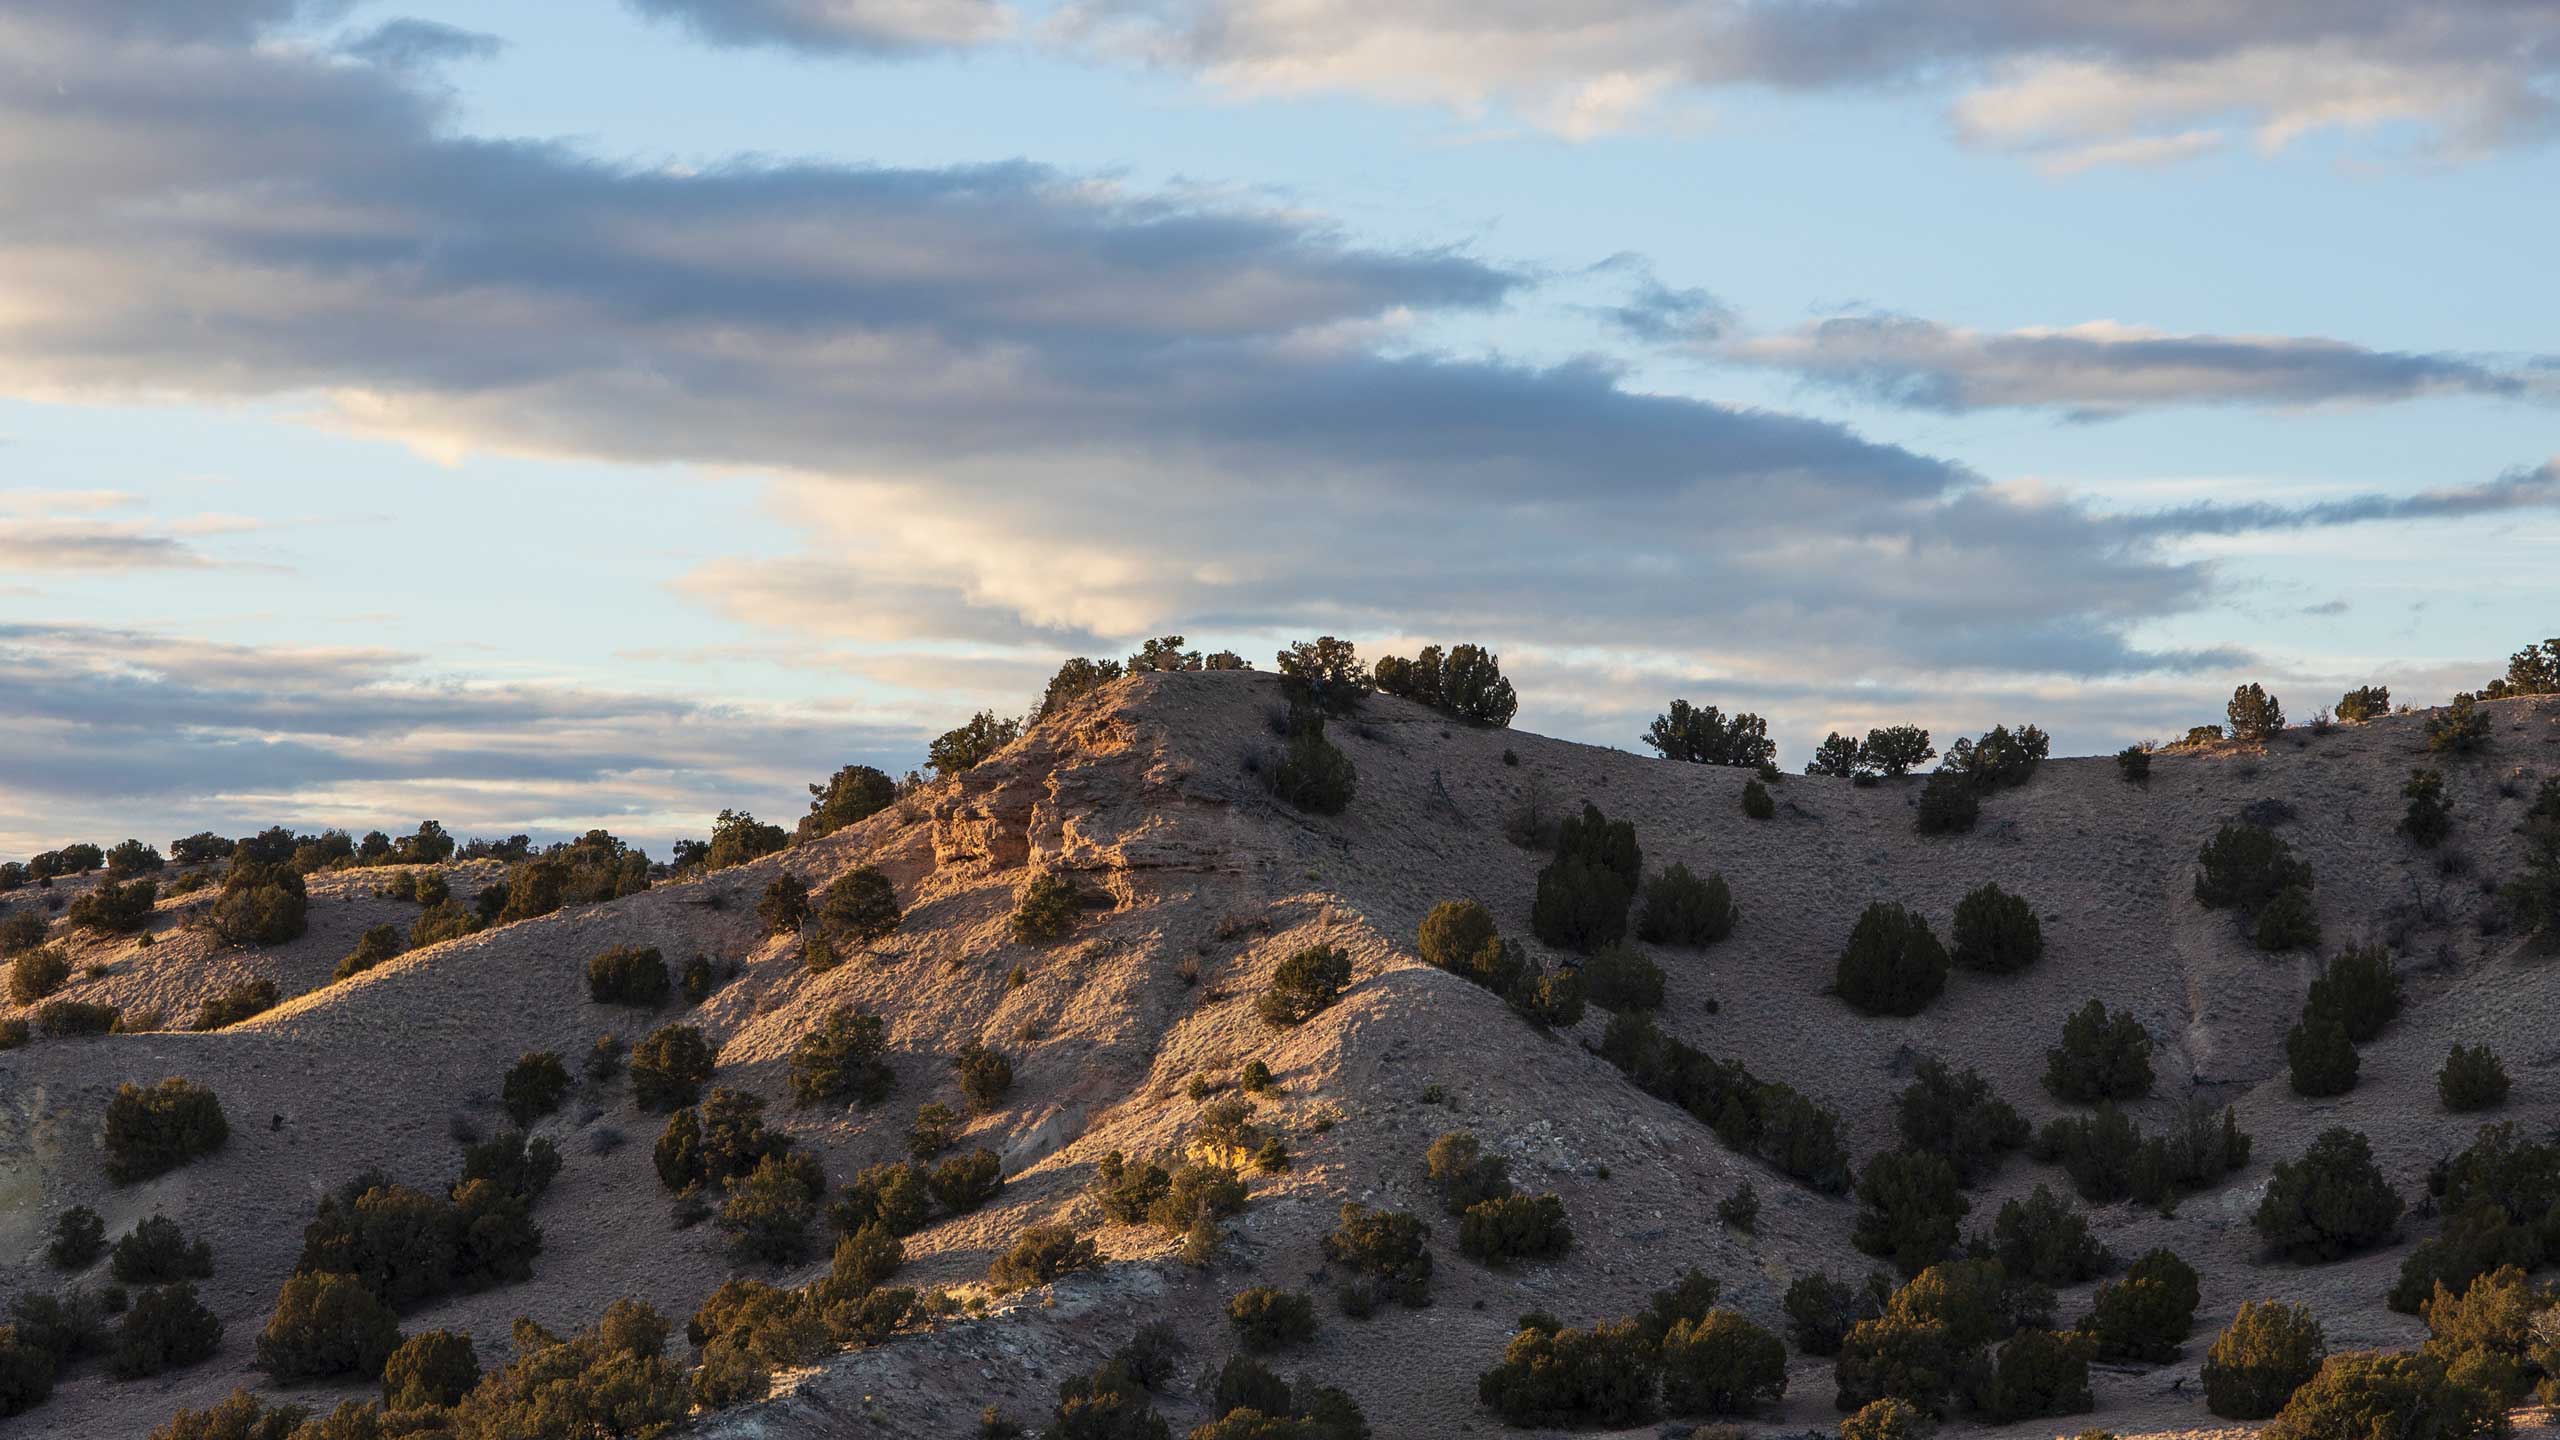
[[1143, 794]]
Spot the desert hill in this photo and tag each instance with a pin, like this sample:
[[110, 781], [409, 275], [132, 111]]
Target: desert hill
[[1196, 884]]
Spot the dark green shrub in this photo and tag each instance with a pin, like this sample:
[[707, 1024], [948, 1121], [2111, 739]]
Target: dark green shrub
[[2429, 819], [2365, 702], [2253, 713], [1996, 932], [784, 906], [1894, 750], [260, 904], [1681, 909], [985, 1076], [21, 930], [166, 1328], [13, 1033], [2148, 1314], [1756, 802], [2097, 1151], [115, 908], [1303, 985], [1821, 1310], [2359, 989], [2047, 1241], [1893, 964], [79, 1238], [1463, 1174], [965, 747], [448, 921], [634, 975], [669, 1067], [1467, 684], [132, 857], [1040, 1255], [2364, 1393], [242, 1001], [1740, 1209], [1949, 804], [965, 1182], [1756, 1117], [534, 1087], [1513, 1228], [842, 1061], [1255, 1079], [2133, 764], [2247, 867], [1621, 978], [2290, 922], [1927, 1347], [26, 1374], [2486, 1334], [1312, 773], [1108, 1405], [1701, 735], [1909, 1209], [738, 837], [2270, 1351], [1953, 1114], [1385, 1248], [1579, 906], [1266, 1319], [156, 1252], [2461, 728], [1722, 1365], [699, 980], [610, 1380], [1044, 909], [1459, 936], [2038, 1373], [1603, 1377], [769, 1210], [152, 1131], [2103, 1056], [895, 1197], [399, 1244], [433, 1370], [241, 1416], [859, 907], [1548, 998], [854, 793], [1888, 1419], [2323, 1060], [604, 1059], [62, 1018], [36, 974], [1128, 1192], [2329, 1204], [2472, 1079], [376, 945]]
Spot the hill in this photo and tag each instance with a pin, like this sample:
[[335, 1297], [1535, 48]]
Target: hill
[[1195, 885]]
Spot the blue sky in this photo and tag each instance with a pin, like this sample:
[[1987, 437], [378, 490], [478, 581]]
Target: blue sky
[[604, 413]]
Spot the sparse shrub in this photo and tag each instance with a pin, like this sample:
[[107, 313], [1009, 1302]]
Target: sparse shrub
[[20, 931], [1681, 909], [2472, 1079], [1722, 1365], [2329, 1204], [2429, 819], [2365, 702], [1312, 773], [1303, 985], [2133, 764], [2254, 714], [79, 1238], [965, 747], [610, 1380], [1579, 906], [2148, 1314], [1741, 1208], [1909, 1209], [1603, 1376], [2364, 1393], [1702, 735], [1621, 978], [1953, 1114], [1467, 684], [2270, 1350], [1950, 804], [2323, 1060], [61, 1018], [604, 1059], [2103, 1056], [2461, 728], [260, 904], [534, 1087], [1927, 1347], [1821, 1310], [1515, 1227], [2044, 1239], [1266, 1319], [242, 1001], [859, 907], [2038, 1373], [985, 1076], [2488, 1335], [36, 974], [738, 837], [1996, 932], [1040, 1255], [13, 1033], [376, 945], [842, 1060], [1888, 1419], [439, 923], [327, 1324], [156, 1252], [2249, 868], [152, 1131], [165, 1328], [1044, 909], [115, 908], [431, 1370], [896, 1197], [965, 1182], [1386, 1249], [1459, 936], [1763, 1118], [2358, 989], [937, 1128], [1256, 1077], [634, 975], [1756, 802], [26, 1374], [1463, 1174], [854, 793], [769, 1210], [669, 1067], [2288, 923], [784, 906], [1893, 964]]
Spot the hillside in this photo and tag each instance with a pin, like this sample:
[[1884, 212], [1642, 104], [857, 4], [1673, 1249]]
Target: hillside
[[1197, 884]]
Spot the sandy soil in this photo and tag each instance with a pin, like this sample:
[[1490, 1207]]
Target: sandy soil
[[1143, 794]]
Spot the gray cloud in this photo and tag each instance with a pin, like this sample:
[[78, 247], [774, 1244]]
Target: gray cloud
[[2102, 370], [830, 26], [2537, 488], [410, 43]]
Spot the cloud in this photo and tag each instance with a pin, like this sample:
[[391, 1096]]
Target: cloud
[[2104, 369], [73, 531], [829, 26], [2537, 488], [413, 44]]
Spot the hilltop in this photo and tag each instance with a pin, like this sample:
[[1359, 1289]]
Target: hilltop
[[1194, 884]]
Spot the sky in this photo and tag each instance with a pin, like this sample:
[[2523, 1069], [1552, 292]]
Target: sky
[[611, 411]]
